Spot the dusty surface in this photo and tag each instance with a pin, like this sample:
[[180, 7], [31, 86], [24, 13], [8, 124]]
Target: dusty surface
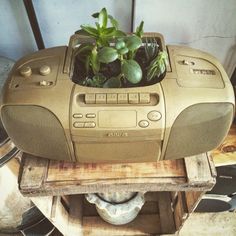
[[210, 224]]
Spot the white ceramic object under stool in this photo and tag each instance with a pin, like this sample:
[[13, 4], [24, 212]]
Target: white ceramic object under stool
[[117, 208]]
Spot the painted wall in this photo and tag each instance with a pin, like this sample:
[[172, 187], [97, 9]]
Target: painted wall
[[209, 25], [16, 37], [59, 19]]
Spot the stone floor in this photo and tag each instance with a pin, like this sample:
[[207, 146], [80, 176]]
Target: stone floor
[[210, 224]]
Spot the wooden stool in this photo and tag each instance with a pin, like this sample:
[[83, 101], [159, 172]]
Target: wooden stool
[[173, 190]]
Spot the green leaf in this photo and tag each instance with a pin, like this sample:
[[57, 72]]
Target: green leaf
[[119, 33], [108, 32], [95, 64], [157, 66], [123, 51], [98, 80], [95, 15], [107, 55], [113, 21], [102, 18], [113, 82], [85, 48], [132, 71], [133, 42], [139, 30], [91, 30], [120, 44], [82, 32]]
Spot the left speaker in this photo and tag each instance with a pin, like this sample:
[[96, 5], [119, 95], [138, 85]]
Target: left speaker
[[36, 130]]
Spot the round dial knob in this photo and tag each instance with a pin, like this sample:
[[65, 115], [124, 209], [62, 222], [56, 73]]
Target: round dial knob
[[44, 70], [154, 115], [26, 71]]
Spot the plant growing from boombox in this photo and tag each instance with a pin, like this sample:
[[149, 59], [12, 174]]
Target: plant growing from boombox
[[116, 59]]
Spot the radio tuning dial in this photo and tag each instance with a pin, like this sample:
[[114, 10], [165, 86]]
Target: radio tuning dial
[[44, 70], [26, 71]]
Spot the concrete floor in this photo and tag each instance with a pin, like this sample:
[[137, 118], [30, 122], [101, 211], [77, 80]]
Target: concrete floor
[[203, 224], [210, 224]]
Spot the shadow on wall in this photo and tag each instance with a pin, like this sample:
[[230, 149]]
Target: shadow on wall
[[230, 61]]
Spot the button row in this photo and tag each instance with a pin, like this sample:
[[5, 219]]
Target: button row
[[120, 98], [152, 116], [84, 124], [89, 115]]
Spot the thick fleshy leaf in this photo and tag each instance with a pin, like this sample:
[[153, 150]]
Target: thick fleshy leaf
[[107, 55], [120, 33], [132, 71], [82, 32], [120, 44], [113, 21], [98, 80], [102, 18], [95, 15], [113, 82], [94, 61], [108, 32], [157, 66], [123, 51], [133, 42], [89, 29], [85, 48], [139, 30]]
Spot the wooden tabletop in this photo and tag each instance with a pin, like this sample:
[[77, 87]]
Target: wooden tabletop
[[42, 177]]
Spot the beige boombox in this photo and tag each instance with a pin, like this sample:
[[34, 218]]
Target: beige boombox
[[45, 114]]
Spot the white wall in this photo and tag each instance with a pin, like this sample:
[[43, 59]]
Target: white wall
[[58, 19], [209, 25], [16, 37]]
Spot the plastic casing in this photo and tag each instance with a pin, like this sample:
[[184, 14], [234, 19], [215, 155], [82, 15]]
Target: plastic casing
[[192, 77]]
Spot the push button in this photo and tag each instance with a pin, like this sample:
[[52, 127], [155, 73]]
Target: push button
[[133, 98], [78, 124], [44, 70], [26, 71], [90, 98], [78, 115], [90, 115], [89, 124], [122, 98], [143, 123], [111, 98], [101, 98], [154, 115], [144, 98]]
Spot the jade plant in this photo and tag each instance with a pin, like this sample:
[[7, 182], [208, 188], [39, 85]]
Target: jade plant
[[115, 59]]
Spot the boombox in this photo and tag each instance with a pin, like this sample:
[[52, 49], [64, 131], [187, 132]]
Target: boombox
[[46, 114]]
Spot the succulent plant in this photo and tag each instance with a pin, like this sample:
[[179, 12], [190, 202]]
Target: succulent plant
[[112, 45]]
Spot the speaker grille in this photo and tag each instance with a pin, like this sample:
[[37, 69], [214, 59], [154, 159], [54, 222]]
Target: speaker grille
[[36, 130], [199, 128]]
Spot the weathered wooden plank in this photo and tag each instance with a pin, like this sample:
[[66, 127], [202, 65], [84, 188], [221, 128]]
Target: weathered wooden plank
[[179, 208], [192, 199], [144, 186], [166, 213], [33, 171], [68, 171], [198, 169]]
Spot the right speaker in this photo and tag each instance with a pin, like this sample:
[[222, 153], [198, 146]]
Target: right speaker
[[199, 128]]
